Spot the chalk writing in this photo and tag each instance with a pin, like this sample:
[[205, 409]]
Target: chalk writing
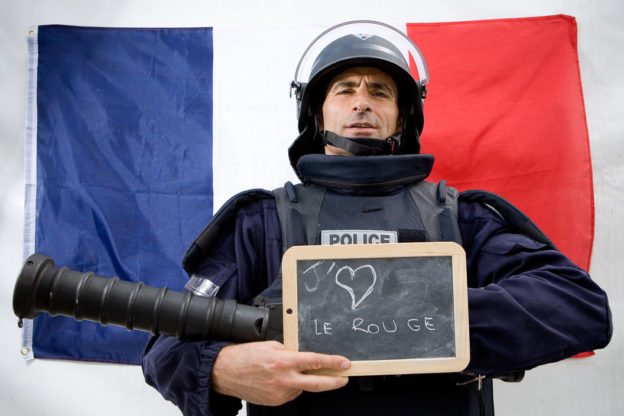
[[347, 283], [384, 326], [315, 277], [359, 282], [373, 328], [325, 328]]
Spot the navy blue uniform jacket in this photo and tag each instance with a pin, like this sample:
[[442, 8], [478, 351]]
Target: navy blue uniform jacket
[[528, 305]]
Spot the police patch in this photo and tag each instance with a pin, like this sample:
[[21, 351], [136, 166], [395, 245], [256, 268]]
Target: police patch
[[331, 237]]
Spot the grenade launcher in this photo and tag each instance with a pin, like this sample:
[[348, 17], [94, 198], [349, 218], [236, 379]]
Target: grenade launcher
[[41, 287]]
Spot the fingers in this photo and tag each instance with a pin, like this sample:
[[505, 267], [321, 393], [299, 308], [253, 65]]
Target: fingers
[[317, 383], [309, 361]]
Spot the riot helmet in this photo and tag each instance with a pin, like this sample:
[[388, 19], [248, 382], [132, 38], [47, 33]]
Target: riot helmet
[[358, 43]]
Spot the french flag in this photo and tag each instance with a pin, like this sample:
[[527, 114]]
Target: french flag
[[134, 136]]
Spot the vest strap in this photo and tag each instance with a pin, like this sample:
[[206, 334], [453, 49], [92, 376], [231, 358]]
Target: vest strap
[[298, 213]]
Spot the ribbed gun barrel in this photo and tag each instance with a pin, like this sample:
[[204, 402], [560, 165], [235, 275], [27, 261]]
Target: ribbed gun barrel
[[42, 287]]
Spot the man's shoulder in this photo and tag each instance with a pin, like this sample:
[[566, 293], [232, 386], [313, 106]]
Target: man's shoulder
[[249, 196], [250, 203], [253, 208], [475, 205]]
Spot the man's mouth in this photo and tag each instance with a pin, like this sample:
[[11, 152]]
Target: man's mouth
[[361, 125], [361, 129]]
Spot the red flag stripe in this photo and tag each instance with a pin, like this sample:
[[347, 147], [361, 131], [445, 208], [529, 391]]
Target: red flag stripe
[[505, 113]]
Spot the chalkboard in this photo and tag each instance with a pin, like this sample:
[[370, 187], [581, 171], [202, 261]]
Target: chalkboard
[[389, 308]]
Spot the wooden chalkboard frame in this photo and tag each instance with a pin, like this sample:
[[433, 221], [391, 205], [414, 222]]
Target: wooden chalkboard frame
[[377, 251]]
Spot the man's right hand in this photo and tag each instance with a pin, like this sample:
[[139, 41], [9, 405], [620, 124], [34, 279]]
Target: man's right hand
[[265, 373]]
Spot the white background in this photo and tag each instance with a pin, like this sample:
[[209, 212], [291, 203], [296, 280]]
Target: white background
[[259, 73]]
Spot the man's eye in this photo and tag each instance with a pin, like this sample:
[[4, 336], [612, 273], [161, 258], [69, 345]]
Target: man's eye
[[381, 94]]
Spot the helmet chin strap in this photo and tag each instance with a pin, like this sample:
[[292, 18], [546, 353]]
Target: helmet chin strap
[[362, 146]]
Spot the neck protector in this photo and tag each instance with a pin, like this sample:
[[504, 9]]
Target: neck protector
[[356, 173]]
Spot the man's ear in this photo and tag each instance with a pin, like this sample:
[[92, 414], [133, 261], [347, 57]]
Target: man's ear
[[399, 125], [319, 121]]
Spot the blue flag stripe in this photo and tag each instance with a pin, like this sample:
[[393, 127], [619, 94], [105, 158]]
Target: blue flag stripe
[[124, 165]]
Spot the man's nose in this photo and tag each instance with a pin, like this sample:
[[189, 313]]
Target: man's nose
[[361, 100]]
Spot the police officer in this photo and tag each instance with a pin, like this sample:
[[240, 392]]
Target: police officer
[[528, 304]]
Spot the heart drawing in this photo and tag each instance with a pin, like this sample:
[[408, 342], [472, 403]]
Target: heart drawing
[[349, 283]]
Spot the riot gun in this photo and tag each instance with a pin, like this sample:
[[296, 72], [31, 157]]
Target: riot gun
[[42, 287]]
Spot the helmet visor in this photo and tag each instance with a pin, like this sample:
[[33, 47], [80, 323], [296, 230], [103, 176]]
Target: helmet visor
[[362, 29]]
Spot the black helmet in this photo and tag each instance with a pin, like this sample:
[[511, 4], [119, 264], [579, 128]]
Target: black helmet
[[358, 43]]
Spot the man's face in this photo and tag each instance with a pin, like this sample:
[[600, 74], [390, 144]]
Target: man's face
[[361, 102]]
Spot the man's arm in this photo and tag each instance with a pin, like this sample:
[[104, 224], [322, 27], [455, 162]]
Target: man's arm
[[181, 371], [528, 304], [210, 377]]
